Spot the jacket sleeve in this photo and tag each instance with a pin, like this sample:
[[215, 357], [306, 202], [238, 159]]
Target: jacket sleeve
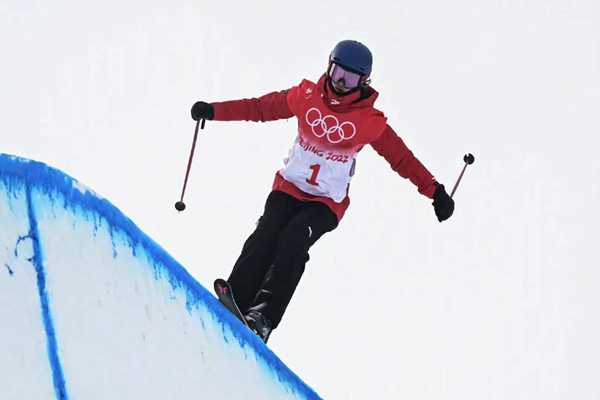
[[269, 107], [391, 147]]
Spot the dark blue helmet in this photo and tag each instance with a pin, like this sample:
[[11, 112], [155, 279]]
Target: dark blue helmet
[[354, 56]]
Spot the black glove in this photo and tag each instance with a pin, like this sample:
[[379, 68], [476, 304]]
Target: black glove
[[442, 203], [202, 110]]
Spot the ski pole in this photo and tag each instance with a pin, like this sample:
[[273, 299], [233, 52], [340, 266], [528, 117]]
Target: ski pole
[[180, 205], [468, 159]]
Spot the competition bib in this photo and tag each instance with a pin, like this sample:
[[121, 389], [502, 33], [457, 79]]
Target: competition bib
[[321, 161]]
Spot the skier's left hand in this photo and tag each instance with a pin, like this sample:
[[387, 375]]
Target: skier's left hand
[[442, 203]]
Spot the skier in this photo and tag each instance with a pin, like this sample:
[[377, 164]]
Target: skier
[[309, 197]]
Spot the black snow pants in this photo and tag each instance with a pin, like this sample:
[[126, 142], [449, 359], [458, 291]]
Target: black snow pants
[[272, 262]]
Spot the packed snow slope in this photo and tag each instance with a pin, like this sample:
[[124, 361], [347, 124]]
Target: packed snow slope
[[91, 308]]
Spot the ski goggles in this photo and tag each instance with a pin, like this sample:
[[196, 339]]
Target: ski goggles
[[337, 73]]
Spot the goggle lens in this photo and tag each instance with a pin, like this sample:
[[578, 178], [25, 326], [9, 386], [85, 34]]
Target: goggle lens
[[337, 73]]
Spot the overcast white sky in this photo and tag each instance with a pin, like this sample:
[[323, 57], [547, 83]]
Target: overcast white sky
[[500, 302]]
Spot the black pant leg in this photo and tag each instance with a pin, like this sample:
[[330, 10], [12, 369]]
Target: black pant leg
[[259, 249], [291, 255]]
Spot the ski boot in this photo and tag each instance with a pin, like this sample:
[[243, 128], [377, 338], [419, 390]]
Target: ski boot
[[259, 324]]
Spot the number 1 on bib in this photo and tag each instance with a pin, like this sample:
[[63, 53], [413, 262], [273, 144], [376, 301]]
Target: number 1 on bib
[[315, 171]]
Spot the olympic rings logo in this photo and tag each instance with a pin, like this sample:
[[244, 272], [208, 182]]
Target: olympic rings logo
[[329, 126]]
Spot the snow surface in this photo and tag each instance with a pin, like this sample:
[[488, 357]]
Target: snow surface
[[91, 308]]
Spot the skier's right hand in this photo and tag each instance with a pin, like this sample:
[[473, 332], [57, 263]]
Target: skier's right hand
[[202, 110]]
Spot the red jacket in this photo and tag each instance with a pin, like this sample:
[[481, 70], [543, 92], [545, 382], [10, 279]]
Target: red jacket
[[331, 132]]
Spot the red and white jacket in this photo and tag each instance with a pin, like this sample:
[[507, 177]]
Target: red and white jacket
[[332, 130]]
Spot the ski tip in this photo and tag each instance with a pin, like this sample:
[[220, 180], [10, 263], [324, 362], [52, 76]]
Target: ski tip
[[220, 282], [221, 286]]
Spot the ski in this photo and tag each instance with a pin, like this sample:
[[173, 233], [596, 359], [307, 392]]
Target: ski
[[225, 296]]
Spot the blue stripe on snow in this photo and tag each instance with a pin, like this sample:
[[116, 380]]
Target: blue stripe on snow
[[37, 260], [54, 182]]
